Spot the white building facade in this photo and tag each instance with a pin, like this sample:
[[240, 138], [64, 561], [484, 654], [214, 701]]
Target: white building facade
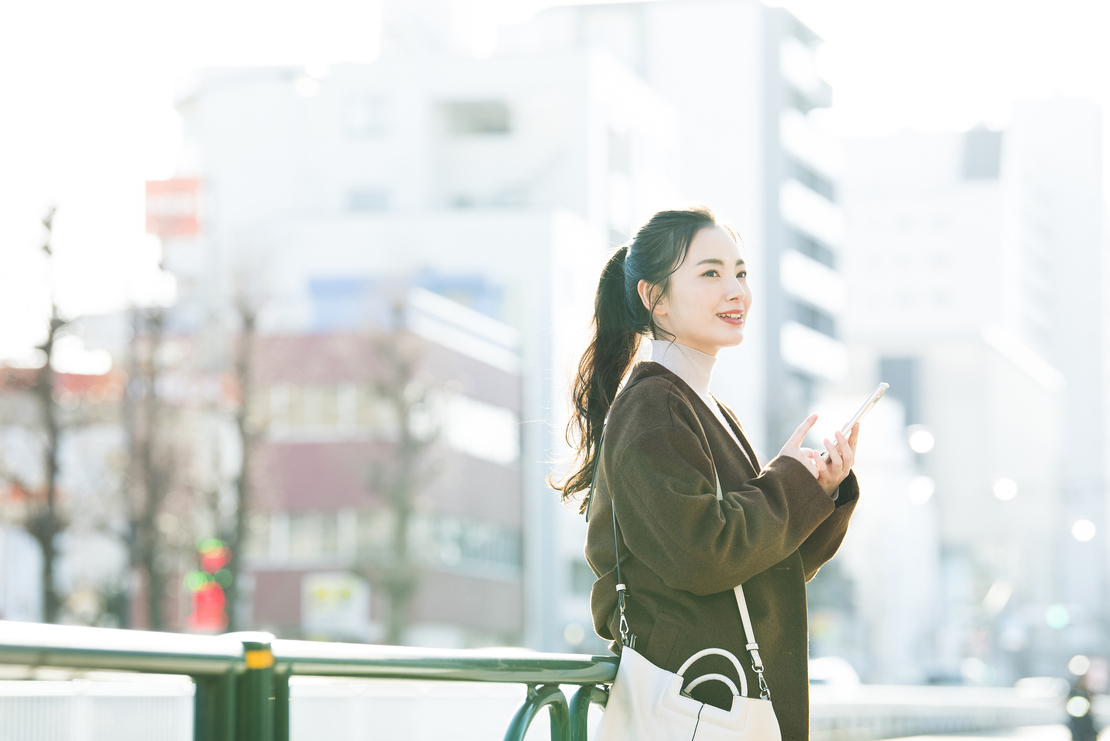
[[741, 80], [978, 291]]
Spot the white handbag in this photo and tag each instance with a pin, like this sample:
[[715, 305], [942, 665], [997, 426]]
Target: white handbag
[[647, 703]]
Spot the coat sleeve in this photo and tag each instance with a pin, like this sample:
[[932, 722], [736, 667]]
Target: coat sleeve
[[823, 542], [664, 490]]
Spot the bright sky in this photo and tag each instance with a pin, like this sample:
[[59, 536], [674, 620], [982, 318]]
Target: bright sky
[[88, 88]]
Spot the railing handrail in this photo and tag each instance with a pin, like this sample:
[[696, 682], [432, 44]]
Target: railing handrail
[[238, 676], [513, 666], [78, 647], [242, 679]]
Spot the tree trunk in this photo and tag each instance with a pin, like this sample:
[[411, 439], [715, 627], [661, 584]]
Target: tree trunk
[[401, 581], [237, 537], [155, 468], [402, 573], [128, 415], [46, 524]]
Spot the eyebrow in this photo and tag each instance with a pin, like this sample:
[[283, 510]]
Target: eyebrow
[[715, 261]]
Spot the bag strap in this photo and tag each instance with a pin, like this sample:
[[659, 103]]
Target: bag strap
[[628, 638], [752, 646]]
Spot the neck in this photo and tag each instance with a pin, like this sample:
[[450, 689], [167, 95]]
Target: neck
[[692, 366]]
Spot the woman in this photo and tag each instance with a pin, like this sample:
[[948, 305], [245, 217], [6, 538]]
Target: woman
[[683, 281]]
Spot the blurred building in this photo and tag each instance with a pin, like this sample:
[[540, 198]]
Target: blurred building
[[494, 183], [329, 459], [740, 80], [501, 183], [978, 294]]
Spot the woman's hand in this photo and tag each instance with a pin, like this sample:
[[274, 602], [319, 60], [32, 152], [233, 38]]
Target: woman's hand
[[842, 455]]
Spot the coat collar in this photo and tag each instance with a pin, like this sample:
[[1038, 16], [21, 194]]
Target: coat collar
[[650, 369]]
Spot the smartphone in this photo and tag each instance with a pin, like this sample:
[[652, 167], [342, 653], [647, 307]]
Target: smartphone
[[863, 410]]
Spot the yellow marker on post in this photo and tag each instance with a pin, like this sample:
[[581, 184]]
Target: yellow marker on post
[[254, 692], [259, 658]]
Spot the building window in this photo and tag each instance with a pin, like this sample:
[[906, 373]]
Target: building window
[[810, 178], [477, 117], [294, 406], [444, 543], [454, 543], [367, 199], [287, 407], [797, 395], [811, 248], [982, 154], [366, 116], [313, 534], [304, 406], [479, 429], [800, 102], [902, 375], [258, 535], [376, 413], [812, 317]]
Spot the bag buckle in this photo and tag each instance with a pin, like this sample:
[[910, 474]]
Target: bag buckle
[[628, 638], [764, 690], [757, 667]]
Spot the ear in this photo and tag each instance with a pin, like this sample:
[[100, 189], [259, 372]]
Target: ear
[[648, 293]]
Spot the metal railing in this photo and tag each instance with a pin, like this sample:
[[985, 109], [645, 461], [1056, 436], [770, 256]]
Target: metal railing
[[242, 679], [242, 683]]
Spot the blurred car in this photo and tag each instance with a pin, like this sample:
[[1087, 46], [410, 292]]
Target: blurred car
[[1042, 687], [833, 671]]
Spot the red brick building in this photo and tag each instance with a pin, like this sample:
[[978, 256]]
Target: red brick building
[[327, 454]]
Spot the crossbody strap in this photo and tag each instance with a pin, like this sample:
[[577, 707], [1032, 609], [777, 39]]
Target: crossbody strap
[[628, 638], [746, 620]]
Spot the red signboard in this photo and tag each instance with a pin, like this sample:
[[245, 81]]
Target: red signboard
[[172, 206]]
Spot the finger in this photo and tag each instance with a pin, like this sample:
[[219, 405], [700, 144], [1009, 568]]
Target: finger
[[800, 433], [813, 468], [820, 462], [807, 461], [834, 453], [846, 452], [854, 436]]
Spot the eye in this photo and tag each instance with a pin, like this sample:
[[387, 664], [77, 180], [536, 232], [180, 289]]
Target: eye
[[742, 274], [711, 273]]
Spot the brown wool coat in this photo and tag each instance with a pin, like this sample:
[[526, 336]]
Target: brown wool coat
[[683, 551]]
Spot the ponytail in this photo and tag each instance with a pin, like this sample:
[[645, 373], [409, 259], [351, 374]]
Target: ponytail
[[620, 321], [600, 371]]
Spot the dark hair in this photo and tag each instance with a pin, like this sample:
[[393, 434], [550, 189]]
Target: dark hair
[[620, 322]]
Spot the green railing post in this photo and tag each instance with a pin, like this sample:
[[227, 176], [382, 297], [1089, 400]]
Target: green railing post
[[281, 703], [214, 708], [255, 694], [580, 703], [549, 696]]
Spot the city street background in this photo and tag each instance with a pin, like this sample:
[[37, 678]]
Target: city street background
[[292, 293]]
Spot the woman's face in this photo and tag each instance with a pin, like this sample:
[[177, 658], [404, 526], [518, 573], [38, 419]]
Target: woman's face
[[707, 302]]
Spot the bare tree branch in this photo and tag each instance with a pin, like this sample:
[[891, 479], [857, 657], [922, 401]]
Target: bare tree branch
[[403, 477]]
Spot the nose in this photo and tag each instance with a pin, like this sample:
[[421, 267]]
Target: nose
[[736, 289]]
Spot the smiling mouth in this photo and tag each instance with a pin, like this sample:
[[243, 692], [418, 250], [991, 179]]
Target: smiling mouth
[[735, 316]]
